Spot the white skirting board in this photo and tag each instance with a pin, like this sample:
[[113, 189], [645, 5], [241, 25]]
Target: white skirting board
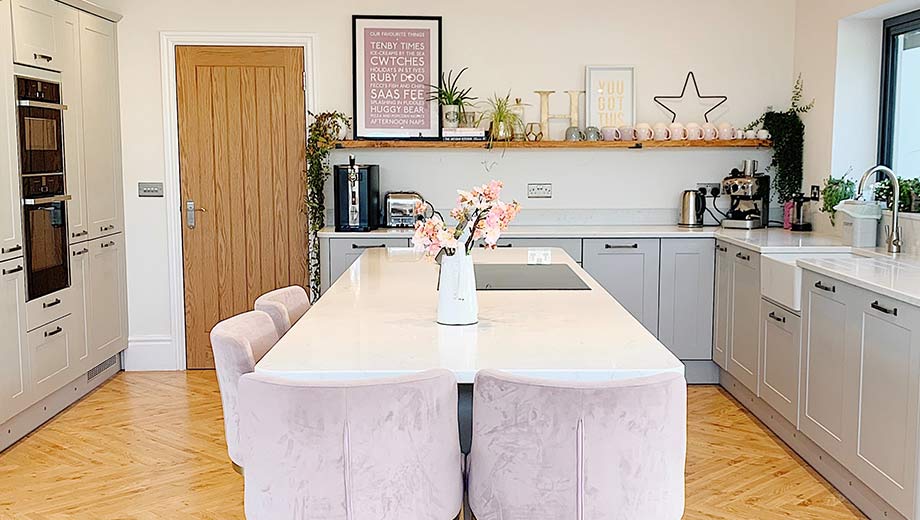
[[851, 487], [151, 353], [39, 413]]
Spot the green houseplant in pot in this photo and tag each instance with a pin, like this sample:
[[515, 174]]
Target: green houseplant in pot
[[834, 192], [324, 131], [788, 133], [452, 99], [504, 118]]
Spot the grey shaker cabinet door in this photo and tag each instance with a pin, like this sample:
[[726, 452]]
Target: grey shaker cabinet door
[[344, 251], [628, 270], [781, 344], [686, 297], [744, 346], [723, 303]]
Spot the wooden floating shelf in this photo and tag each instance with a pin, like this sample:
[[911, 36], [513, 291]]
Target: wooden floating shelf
[[626, 145]]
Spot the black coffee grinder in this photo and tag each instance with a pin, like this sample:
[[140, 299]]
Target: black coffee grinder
[[801, 220], [357, 196]]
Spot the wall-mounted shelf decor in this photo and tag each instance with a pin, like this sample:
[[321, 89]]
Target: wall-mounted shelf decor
[[568, 145]]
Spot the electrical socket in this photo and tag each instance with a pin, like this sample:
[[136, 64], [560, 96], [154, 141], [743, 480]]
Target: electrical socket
[[709, 187], [542, 190]]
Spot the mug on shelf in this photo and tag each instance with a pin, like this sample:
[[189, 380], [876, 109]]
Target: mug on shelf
[[592, 133], [662, 132], [710, 132], [726, 133], [573, 133], [750, 134], [644, 132], [610, 133], [678, 132], [694, 131], [739, 134], [627, 133], [763, 134]]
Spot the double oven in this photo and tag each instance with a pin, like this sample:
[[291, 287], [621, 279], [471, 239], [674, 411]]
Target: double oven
[[44, 193]]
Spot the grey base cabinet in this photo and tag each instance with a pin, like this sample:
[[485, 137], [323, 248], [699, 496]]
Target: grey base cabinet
[[344, 251], [628, 269], [686, 297], [723, 304], [744, 337], [781, 341]]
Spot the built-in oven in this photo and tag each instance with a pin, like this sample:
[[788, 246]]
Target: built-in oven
[[41, 167]]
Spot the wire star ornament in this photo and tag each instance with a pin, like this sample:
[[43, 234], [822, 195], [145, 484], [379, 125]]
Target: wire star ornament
[[691, 76]]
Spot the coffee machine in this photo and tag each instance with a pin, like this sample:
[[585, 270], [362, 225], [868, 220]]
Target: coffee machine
[[357, 196], [749, 192]]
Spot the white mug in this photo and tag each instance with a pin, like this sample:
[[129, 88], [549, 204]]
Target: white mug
[[678, 132], [723, 125], [610, 133], [763, 134], [750, 134], [627, 133], [710, 132], [739, 134], [694, 131], [726, 133], [662, 132], [644, 132]]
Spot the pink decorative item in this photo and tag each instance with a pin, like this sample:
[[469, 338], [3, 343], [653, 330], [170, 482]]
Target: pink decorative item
[[787, 214], [480, 215]]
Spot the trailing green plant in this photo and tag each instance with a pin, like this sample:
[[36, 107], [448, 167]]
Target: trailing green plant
[[448, 93], [788, 134], [834, 192], [910, 189], [324, 131], [500, 111]]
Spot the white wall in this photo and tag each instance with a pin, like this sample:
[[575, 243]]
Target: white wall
[[740, 49]]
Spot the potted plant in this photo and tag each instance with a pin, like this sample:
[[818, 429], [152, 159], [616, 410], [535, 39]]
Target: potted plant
[[480, 214], [788, 133], [453, 99], [910, 190], [504, 118], [834, 192], [324, 131]]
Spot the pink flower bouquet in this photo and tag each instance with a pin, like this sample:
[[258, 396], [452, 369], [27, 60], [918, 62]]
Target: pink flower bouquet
[[479, 214]]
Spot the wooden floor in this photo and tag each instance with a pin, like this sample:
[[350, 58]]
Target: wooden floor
[[150, 446]]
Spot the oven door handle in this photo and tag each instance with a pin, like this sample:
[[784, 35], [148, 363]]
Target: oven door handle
[[47, 200], [41, 104]]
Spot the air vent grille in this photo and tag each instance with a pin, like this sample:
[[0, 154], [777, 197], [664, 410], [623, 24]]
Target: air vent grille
[[101, 367]]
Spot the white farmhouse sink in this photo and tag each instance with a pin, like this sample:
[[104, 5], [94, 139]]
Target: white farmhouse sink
[[781, 279]]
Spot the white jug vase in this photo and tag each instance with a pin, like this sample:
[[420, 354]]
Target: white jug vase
[[457, 304]]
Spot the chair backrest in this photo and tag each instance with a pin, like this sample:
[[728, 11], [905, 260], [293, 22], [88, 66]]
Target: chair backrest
[[285, 306], [579, 451], [238, 344], [384, 449]]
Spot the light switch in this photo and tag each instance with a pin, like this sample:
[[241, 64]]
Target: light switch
[[150, 189]]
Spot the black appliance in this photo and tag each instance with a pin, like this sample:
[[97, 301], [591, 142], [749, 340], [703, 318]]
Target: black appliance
[[44, 205], [357, 196]]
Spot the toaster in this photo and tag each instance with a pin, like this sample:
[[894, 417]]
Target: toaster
[[399, 208]]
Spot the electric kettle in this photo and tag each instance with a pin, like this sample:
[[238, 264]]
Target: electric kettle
[[692, 208]]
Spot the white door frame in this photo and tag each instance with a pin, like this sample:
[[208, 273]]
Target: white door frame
[[168, 42]]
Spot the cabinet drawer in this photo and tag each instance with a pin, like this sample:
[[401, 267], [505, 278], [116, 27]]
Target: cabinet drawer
[[49, 308], [344, 251], [50, 349], [781, 346], [572, 246], [628, 269]]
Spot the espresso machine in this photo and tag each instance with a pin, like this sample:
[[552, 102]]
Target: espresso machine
[[749, 192], [357, 196]]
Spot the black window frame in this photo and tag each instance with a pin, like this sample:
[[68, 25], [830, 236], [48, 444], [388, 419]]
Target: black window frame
[[891, 29]]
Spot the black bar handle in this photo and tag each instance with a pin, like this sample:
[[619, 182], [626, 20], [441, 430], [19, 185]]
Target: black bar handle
[[13, 249], [16, 269], [49, 333], [825, 288], [778, 318], [877, 306], [621, 246], [499, 245], [46, 305], [746, 258], [357, 246]]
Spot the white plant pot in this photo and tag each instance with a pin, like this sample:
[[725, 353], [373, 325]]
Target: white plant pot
[[450, 116], [457, 304]]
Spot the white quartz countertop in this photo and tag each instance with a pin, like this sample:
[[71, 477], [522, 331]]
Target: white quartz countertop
[[895, 277], [773, 240], [379, 320]]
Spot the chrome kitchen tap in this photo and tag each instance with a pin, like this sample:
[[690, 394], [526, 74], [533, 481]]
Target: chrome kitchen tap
[[894, 235]]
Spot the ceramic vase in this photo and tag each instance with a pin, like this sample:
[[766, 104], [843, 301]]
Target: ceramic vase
[[450, 116], [457, 304], [502, 131]]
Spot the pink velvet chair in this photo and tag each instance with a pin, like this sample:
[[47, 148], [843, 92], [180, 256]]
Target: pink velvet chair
[[385, 449], [578, 451], [285, 306], [238, 344]]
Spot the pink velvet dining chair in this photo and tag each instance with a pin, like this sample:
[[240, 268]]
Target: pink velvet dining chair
[[579, 451], [285, 306], [384, 449], [238, 343]]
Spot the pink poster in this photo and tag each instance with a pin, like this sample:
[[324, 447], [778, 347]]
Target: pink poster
[[397, 73]]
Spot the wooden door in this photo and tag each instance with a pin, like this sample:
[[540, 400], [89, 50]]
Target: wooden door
[[242, 157]]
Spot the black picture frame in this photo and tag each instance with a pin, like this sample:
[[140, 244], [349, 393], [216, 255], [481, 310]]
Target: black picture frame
[[892, 28], [361, 132]]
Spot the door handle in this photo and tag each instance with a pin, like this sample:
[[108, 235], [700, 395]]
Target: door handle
[[497, 245], [55, 302], [45, 57], [13, 249], [79, 234], [621, 246], [190, 210], [81, 252], [825, 288], [110, 243], [778, 318], [877, 306], [358, 246], [746, 258], [14, 270], [49, 333], [721, 249], [110, 227]]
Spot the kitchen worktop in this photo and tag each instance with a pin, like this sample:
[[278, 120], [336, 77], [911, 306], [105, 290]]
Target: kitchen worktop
[[872, 269], [773, 240]]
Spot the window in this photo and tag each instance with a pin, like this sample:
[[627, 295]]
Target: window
[[899, 140]]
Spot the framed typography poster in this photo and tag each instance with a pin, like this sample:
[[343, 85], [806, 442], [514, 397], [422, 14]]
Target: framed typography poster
[[396, 61], [610, 97]]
